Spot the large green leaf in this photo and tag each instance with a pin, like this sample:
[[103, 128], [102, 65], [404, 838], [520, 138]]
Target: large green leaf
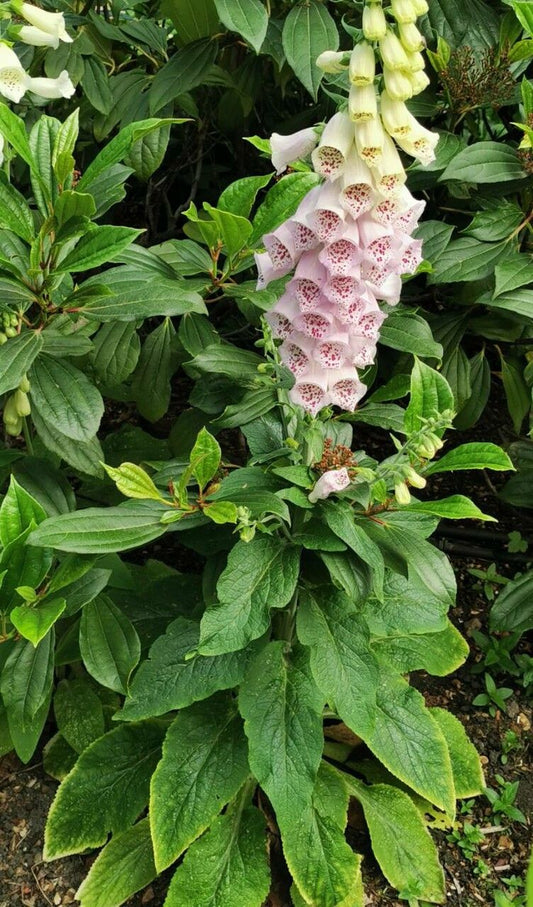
[[401, 842], [98, 246], [309, 29], [109, 644], [157, 362], [185, 70], [484, 162], [247, 17], [116, 351], [437, 653], [474, 455], [227, 865], [124, 866], [430, 394], [282, 708], [65, 398], [134, 297], [16, 358], [468, 778], [18, 512], [192, 19], [467, 259], [409, 333], [339, 518], [475, 24], [34, 622], [26, 679], [282, 199], [342, 662], [260, 575], [85, 456], [203, 766], [167, 680], [513, 609], [78, 712], [16, 215], [105, 791], [102, 530]]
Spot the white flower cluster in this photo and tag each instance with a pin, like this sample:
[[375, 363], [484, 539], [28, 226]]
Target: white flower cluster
[[350, 240], [44, 30]]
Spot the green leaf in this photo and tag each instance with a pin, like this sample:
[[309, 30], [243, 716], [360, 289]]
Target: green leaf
[[437, 653], [468, 777], [283, 198], [517, 393], [84, 456], [474, 455], [232, 230], [157, 363], [308, 30], [401, 842], [247, 17], [411, 334], [33, 623], [203, 766], [65, 398], [196, 332], [130, 297], [510, 275], [95, 84], [147, 154], [282, 710], [430, 395], [225, 359], [124, 866], [518, 301], [484, 162], [339, 517], [494, 222], [260, 575], [227, 865], [79, 713], [205, 458], [58, 757], [467, 259], [133, 482], [106, 790], [186, 69], [456, 370], [26, 681], [435, 238], [168, 680], [476, 24], [342, 661], [193, 19], [18, 512], [480, 380], [97, 247], [116, 349], [101, 530], [109, 644], [524, 14], [13, 129], [16, 357], [512, 611], [221, 512], [16, 215], [454, 507], [239, 197]]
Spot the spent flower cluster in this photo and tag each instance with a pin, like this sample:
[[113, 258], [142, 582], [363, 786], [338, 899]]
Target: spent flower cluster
[[350, 240]]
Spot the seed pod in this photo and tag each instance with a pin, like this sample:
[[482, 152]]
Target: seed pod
[[22, 403]]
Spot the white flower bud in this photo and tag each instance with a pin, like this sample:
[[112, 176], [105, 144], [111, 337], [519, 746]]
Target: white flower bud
[[392, 51], [52, 23], [397, 119], [419, 81], [411, 39], [362, 103], [389, 171], [284, 149], [397, 84], [369, 139], [402, 493], [362, 65], [414, 479], [374, 22], [416, 62], [403, 10], [332, 61], [30, 34], [421, 7]]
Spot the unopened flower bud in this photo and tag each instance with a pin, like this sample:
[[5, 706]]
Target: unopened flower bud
[[414, 479], [397, 119], [416, 62], [24, 384], [436, 442], [421, 7], [374, 22], [332, 61], [362, 65], [392, 51], [419, 81], [12, 420], [398, 84], [3, 338], [369, 139], [285, 149], [402, 493], [22, 403], [10, 331], [362, 103], [410, 38], [403, 10]]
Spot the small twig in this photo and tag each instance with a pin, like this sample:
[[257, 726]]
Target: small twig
[[39, 886]]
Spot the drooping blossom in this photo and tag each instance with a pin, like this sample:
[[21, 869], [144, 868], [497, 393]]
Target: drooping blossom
[[331, 481], [51, 23], [15, 81], [350, 240]]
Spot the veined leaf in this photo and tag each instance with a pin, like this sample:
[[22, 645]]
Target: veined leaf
[[124, 866], [109, 644], [474, 455], [102, 530], [19, 510], [309, 29], [468, 777], [65, 398], [247, 17], [16, 358], [484, 162]]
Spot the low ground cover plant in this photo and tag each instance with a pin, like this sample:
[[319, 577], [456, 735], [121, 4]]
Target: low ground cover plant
[[232, 690]]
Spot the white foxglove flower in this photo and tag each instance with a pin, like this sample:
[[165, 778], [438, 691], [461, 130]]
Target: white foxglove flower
[[402, 493], [332, 61], [13, 76], [421, 7], [362, 103], [336, 141], [389, 172], [328, 483], [285, 149], [61, 87], [420, 144], [52, 23], [398, 84], [369, 138], [419, 81], [392, 51], [410, 38], [29, 34], [362, 69], [416, 61], [396, 118], [403, 10], [374, 22]]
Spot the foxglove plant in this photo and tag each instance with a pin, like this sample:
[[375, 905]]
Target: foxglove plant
[[350, 240]]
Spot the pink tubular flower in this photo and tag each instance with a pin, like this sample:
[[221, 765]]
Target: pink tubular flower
[[285, 149], [328, 483]]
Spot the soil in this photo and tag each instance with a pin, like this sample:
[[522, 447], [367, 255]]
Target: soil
[[26, 791]]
